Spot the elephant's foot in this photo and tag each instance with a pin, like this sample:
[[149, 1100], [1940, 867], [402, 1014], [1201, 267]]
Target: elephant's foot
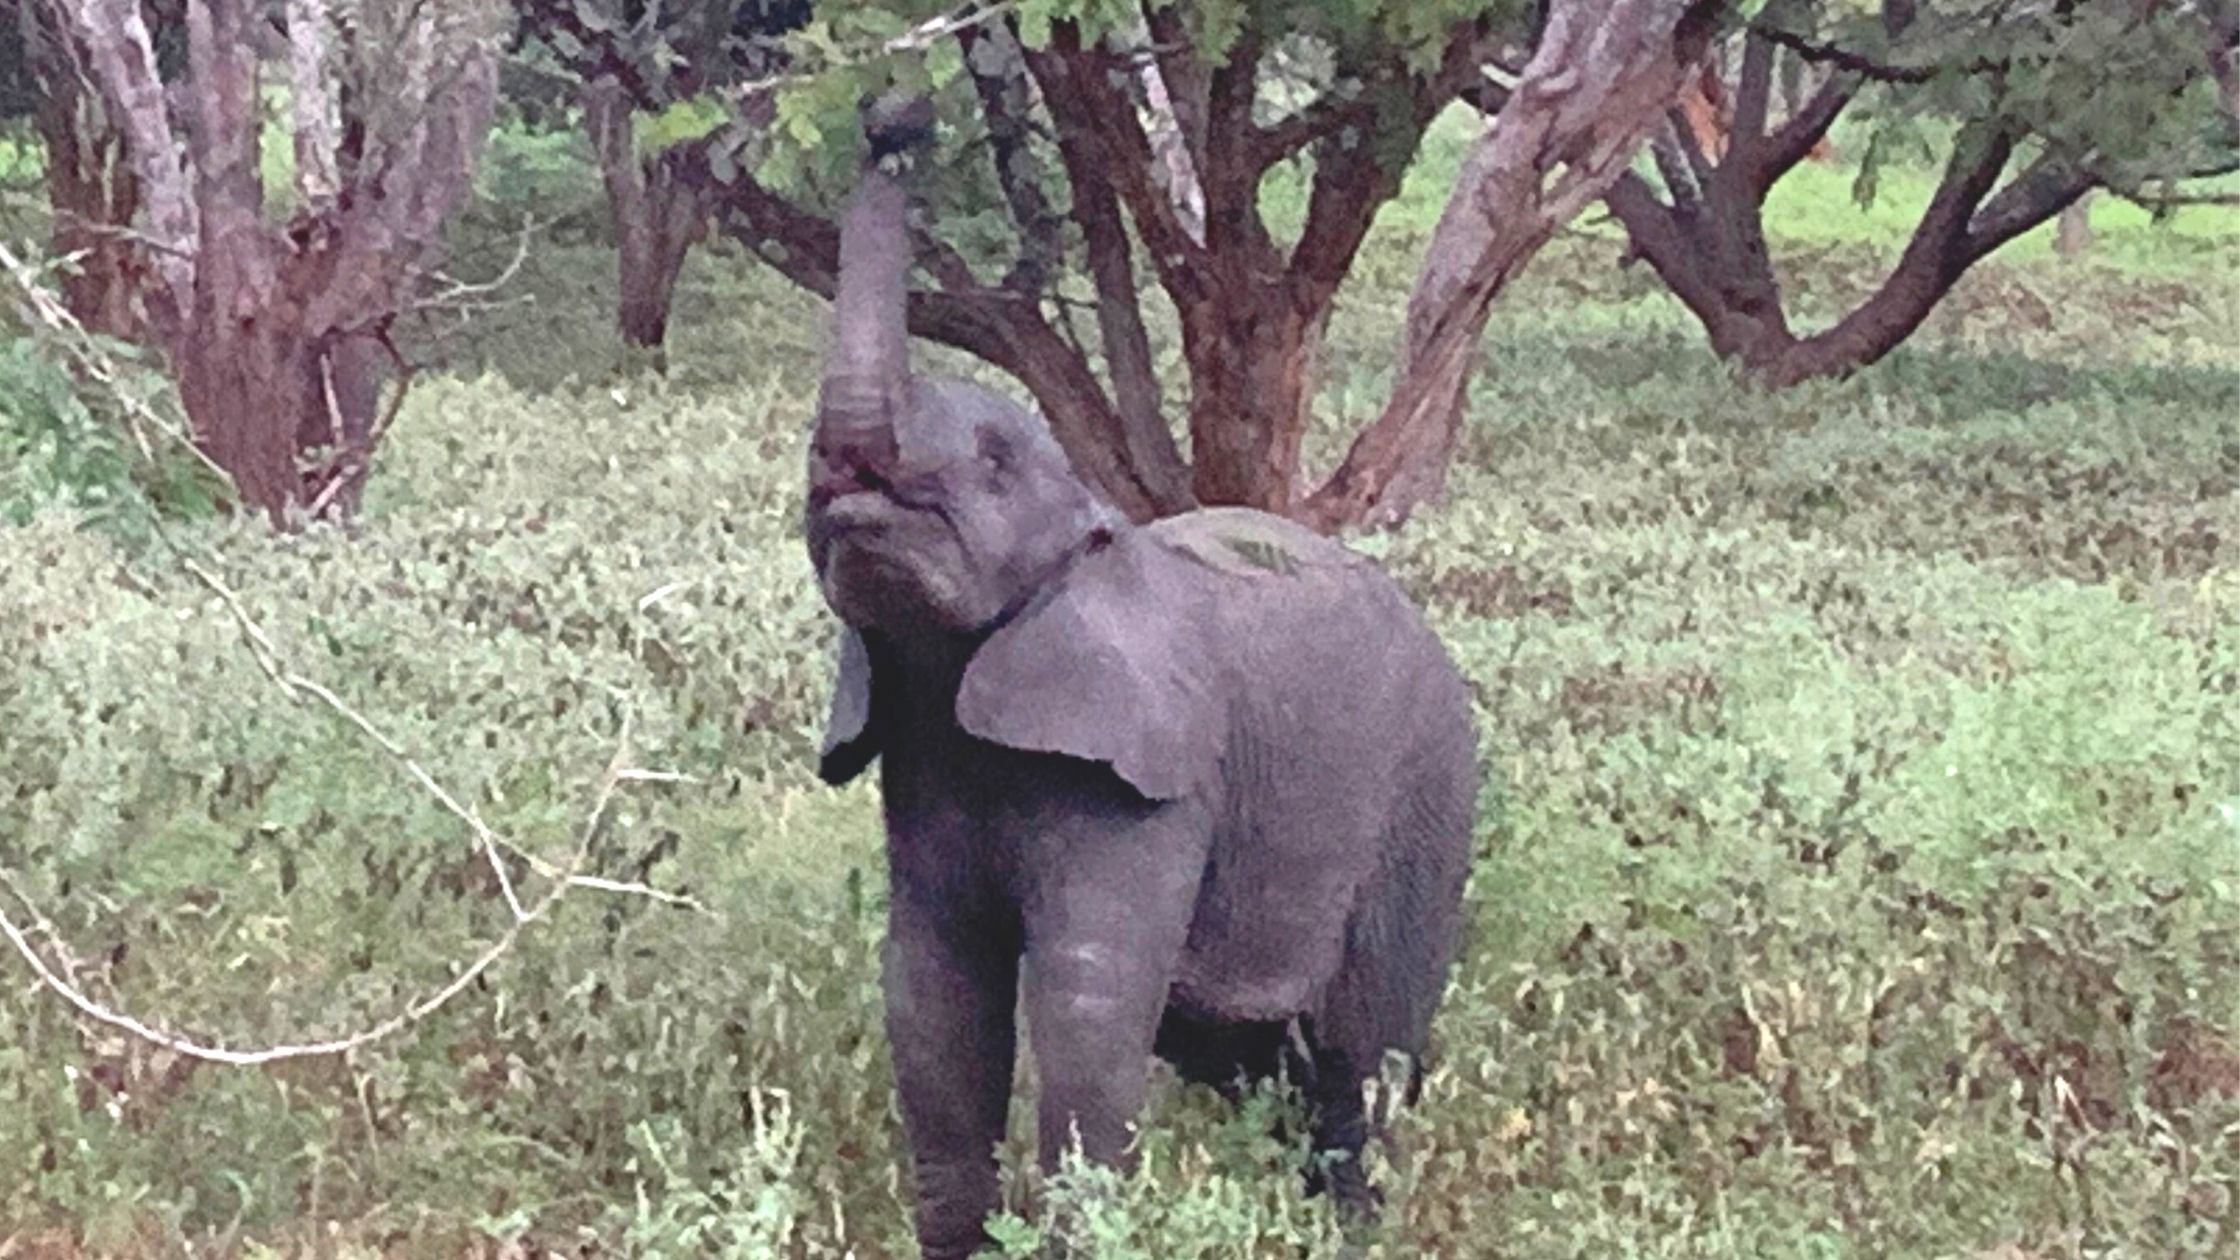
[[953, 1208]]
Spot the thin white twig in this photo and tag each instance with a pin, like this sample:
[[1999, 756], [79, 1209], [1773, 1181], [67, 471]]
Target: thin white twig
[[61, 978], [923, 35], [296, 685], [411, 1014], [460, 290], [663, 592]]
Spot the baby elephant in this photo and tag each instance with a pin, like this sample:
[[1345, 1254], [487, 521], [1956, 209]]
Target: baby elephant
[[1203, 788]]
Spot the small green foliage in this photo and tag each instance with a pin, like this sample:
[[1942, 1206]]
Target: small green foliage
[[680, 122], [52, 448], [64, 447]]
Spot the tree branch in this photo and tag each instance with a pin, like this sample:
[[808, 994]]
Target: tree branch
[[1104, 119], [1173, 87], [999, 76], [1821, 52], [2037, 193], [1746, 130], [1804, 130], [1352, 179], [1181, 76], [222, 58], [1673, 150], [1230, 174], [1120, 327]]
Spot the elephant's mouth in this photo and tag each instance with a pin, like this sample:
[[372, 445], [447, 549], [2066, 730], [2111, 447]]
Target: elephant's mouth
[[855, 511], [867, 501]]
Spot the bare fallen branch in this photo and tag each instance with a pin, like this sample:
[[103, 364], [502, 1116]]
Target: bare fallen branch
[[296, 686], [617, 773], [55, 968]]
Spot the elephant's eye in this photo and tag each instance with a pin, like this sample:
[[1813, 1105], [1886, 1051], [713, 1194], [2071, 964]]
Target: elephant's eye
[[995, 451]]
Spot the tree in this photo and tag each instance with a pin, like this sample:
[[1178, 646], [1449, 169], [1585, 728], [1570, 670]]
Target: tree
[[1090, 144], [2032, 105], [652, 81], [273, 310]]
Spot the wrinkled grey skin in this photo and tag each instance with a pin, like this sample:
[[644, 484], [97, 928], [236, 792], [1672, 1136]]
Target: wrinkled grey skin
[[1202, 789]]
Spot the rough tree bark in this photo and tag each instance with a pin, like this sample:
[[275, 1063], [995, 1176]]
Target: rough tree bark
[[1603, 73], [91, 191], [276, 327], [658, 214], [1704, 235]]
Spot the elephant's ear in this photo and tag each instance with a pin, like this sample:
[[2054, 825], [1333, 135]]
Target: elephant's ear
[[850, 743], [1104, 666]]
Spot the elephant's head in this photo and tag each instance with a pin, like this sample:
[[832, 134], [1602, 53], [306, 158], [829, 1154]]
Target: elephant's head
[[934, 506]]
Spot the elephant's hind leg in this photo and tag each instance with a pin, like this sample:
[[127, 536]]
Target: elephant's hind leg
[[1399, 944], [1332, 1077]]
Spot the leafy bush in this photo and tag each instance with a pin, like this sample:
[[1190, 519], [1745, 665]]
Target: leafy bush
[[63, 445]]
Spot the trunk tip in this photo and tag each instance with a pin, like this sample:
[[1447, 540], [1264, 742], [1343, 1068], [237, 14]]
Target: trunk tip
[[897, 122]]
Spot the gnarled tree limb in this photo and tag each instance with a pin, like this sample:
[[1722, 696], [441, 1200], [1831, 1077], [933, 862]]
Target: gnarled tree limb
[[1600, 80]]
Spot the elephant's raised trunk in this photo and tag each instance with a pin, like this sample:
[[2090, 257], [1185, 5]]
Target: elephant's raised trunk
[[867, 371]]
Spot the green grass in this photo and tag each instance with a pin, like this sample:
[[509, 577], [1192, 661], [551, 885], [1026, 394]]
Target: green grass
[[1859, 869]]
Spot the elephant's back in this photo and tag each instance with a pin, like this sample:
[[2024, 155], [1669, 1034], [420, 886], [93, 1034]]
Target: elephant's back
[[1312, 623], [1248, 544], [1348, 717]]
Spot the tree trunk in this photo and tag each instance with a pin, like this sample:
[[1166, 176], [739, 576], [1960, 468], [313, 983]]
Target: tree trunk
[[1711, 251], [285, 407], [1252, 357], [1604, 72], [275, 326], [91, 191], [1713, 257], [658, 215], [1705, 235]]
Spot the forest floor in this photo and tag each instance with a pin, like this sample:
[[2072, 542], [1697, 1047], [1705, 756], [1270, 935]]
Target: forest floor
[[1859, 867]]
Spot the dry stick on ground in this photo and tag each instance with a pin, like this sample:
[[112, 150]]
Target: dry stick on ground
[[565, 877], [594, 826], [296, 686]]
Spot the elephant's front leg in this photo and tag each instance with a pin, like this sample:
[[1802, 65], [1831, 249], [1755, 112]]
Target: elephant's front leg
[[1105, 929], [951, 994]]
